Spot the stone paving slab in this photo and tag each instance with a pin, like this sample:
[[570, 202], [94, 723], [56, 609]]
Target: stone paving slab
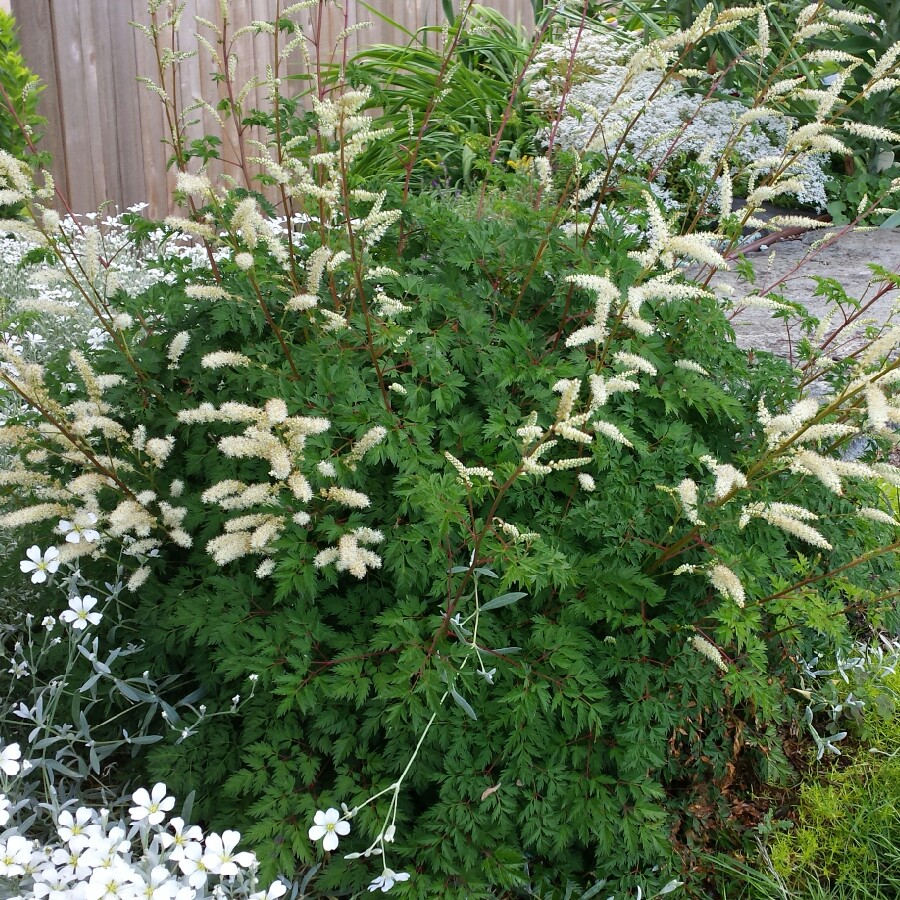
[[846, 260]]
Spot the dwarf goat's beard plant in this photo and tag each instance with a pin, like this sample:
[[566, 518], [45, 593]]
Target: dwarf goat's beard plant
[[521, 548]]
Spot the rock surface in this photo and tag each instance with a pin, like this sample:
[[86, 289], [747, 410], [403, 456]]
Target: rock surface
[[791, 264]]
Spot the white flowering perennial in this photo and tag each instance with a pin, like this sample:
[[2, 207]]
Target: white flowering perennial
[[781, 428], [688, 365], [281, 439], [328, 827], [351, 554], [789, 518], [372, 438], [514, 533], [605, 294], [80, 529], [79, 614], [299, 481], [85, 434], [537, 442], [688, 493], [40, 563], [727, 584], [877, 515], [387, 879], [222, 359], [465, 474], [709, 650], [152, 807], [93, 856], [728, 479], [10, 765]]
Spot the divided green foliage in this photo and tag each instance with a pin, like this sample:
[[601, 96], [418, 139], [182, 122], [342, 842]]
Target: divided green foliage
[[518, 605]]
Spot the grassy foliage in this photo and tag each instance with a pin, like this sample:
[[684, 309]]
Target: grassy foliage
[[452, 99], [846, 835]]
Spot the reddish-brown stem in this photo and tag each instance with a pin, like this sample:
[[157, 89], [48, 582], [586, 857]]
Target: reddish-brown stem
[[513, 94], [274, 326], [872, 554], [81, 446], [432, 101]]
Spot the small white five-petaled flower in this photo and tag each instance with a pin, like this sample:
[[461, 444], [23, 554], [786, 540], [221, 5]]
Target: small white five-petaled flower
[[152, 807], [219, 857], [387, 879], [181, 839], [39, 564], [72, 829], [327, 828], [79, 614], [76, 533]]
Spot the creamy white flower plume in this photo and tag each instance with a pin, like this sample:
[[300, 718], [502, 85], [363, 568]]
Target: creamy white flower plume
[[177, 347], [710, 651], [877, 515], [789, 518], [634, 362], [820, 467], [466, 473], [370, 439], [727, 583], [350, 555], [688, 494], [728, 478]]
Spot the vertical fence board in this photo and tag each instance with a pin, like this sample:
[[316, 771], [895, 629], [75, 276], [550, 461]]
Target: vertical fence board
[[157, 186], [130, 148], [106, 132], [85, 172]]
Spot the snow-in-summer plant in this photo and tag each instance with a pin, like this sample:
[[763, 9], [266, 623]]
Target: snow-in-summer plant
[[85, 852], [634, 107], [96, 250], [834, 694], [517, 543], [643, 116], [74, 703], [50, 842]]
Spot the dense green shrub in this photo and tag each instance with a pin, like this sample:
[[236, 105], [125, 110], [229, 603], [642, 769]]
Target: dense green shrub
[[518, 548]]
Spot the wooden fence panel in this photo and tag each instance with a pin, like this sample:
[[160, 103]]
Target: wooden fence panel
[[77, 91], [106, 132], [34, 20]]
